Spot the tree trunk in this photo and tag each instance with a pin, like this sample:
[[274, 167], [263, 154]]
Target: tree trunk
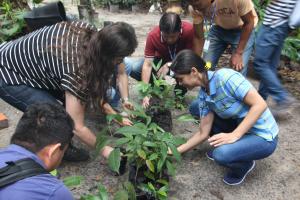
[[17, 4]]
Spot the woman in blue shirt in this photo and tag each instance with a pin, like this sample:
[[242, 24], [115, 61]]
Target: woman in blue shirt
[[226, 97]]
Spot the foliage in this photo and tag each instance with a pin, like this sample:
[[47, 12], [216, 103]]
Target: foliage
[[73, 181], [291, 48], [260, 6], [146, 147], [12, 22]]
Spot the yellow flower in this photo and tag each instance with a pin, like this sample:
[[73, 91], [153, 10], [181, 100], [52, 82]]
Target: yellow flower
[[208, 65]]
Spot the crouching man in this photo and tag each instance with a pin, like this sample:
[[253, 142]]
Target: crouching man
[[37, 147]]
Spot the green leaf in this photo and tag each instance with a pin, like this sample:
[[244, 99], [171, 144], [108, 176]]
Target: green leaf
[[114, 160], [122, 141], [121, 195], [153, 156], [102, 192], [186, 118], [150, 165], [133, 130], [171, 168], [149, 175], [141, 153], [178, 141], [130, 190], [163, 193], [90, 197], [151, 187], [101, 141], [149, 144], [175, 153], [112, 117], [72, 181], [163, 181]]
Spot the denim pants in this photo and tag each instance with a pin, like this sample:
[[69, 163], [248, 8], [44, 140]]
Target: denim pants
[[237, 156], [219, 40], [22, 96], [268, 47]]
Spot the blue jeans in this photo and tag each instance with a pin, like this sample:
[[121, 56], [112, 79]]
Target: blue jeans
[[134, 65], [238, 156], [113, 93], [22, 96], [266, 60], [219, 40]]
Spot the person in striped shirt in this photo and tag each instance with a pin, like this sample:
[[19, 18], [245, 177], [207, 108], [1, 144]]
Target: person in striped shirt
[[230, 108], [68, 62], [269, 42]]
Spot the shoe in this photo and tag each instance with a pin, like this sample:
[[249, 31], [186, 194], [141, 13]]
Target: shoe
[[232, 179], [209, 155], [282, 109], [74, 154]]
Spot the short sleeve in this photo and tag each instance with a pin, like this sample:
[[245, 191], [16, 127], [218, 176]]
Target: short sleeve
[[149, 48], [70, 83], [203, 107], [61, 193], [237, 85], [244, 7]]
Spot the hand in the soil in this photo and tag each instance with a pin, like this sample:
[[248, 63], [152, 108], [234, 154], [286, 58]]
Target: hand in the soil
[[197, 16], [223, 138], [127, 105], [146, 102], [236, 61], [162, 72], [126, 122]]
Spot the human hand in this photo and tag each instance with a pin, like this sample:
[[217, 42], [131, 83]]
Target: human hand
[[223, 138], [146, 102], [126, 122], [162, 72], [127, 105], [197, 15], [236, 61]]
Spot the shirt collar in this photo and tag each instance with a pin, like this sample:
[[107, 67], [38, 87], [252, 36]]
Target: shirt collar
[[212, 84], [26, 153]]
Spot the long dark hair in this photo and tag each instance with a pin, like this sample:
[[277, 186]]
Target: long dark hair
[[97, 67], [185, 60], [170, 23]]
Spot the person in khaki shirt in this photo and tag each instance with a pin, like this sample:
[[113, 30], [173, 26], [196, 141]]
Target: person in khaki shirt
[[232, 23]]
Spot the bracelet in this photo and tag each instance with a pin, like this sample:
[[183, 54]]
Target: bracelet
[[125, 99]]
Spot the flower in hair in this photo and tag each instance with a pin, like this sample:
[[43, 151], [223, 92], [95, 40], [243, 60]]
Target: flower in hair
[[208, 65]]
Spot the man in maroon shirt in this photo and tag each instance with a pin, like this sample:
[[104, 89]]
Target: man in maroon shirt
[[163, 43]]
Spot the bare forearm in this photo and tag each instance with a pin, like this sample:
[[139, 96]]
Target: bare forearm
[[196, 139], [198, 40], [146, 72], [108, 109], [123, 86]]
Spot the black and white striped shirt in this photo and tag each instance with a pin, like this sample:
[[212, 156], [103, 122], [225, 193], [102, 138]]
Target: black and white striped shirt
[[33, 59], [278, 12]]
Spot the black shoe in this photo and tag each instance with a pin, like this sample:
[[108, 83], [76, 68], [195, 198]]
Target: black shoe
[[74, 154]]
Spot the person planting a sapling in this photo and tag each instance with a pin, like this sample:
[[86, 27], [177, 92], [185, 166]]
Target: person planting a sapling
[[234, 118], [71, 64]]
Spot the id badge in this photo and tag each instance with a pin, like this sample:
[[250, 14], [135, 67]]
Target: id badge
[[206, 45]]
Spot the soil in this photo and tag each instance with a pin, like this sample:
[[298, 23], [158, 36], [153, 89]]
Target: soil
[[276, 177]]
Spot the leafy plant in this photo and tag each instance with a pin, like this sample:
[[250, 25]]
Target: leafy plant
[[146, 147], [291, 48], [12, 22]]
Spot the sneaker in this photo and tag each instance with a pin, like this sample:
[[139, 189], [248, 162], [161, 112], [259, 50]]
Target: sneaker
[[209, 155], [232, 179], [282, 109], [74, 154]]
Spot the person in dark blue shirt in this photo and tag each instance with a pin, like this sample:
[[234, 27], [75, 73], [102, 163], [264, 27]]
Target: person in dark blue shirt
[[42, 134]]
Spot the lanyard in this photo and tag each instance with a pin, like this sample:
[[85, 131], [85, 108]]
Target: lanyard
[[172, 55], [209, 23]]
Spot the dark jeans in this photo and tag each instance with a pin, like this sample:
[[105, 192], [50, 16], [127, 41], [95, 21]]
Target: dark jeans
[[21, 96]]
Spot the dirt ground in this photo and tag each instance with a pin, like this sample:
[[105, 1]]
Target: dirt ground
[[277, 177]]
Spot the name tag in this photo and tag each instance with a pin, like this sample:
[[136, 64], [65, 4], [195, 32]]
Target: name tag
[[206, 45]]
